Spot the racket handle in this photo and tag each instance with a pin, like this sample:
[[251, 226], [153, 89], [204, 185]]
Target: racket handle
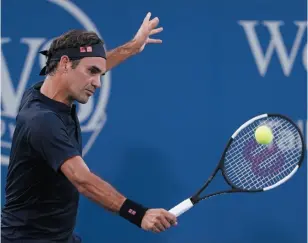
[[181, 207]]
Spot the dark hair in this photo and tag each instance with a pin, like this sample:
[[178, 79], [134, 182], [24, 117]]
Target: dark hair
[[71, 39]]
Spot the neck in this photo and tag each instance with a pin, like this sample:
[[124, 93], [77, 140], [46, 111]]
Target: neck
[[53, 89]]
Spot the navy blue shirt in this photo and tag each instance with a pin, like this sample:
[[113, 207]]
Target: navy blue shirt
[[41, 203]]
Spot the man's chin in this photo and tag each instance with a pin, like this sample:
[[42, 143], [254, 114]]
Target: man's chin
[[83, 100]]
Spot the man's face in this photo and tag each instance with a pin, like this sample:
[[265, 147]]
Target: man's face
[[84, 79]]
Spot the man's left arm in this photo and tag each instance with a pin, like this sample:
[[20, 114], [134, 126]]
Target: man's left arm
[[137, 44]]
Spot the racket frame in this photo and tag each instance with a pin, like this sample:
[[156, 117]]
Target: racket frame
[[220, 167], [190, 202]]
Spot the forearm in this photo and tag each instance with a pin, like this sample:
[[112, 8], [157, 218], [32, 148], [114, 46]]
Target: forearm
[[109, 198], [101, 192], [121, 53]]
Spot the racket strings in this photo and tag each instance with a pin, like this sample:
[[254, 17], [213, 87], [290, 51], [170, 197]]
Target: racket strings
[[252, 166], [233, 171], [247, 182], [237, 144]]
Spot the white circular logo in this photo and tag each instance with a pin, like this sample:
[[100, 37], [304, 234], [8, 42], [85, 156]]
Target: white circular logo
[[92, 115]]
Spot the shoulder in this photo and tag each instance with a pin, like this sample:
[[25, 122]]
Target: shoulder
[[27, 96], [45, 120]]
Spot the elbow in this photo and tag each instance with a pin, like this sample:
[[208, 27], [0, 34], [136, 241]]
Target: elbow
[[77, 173]]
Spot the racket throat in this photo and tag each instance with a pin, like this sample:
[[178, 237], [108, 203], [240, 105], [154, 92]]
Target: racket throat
[[197, 194], [220, 193], [194, 199]]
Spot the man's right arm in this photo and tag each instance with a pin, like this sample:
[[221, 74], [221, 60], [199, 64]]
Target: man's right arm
[[101, 192], [91, 185], [48, 137]]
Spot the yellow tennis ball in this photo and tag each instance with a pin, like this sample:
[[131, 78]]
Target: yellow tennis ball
[[264, 135]]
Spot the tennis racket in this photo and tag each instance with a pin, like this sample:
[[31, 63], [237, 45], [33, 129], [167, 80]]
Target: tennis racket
[[248, 166]]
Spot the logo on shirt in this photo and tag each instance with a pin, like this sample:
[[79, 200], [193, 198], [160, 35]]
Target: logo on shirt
[[21, 64]]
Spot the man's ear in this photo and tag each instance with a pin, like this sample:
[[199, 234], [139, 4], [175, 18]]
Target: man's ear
[[64, 64]]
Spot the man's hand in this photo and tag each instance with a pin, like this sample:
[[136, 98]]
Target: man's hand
[[137, 44], [158, 220], [147, 29]]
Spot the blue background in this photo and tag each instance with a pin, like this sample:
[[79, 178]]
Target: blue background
[[173, 107]]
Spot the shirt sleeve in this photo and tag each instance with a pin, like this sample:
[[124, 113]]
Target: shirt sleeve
[[48, 136]]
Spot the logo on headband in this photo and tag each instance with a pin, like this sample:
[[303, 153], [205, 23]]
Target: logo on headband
[[86, 49], [22, 51]]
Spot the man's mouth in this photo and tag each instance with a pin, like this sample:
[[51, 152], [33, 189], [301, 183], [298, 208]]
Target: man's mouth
[[90, 91]]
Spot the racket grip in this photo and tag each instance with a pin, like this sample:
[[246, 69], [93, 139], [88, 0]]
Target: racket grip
[[181, 207]]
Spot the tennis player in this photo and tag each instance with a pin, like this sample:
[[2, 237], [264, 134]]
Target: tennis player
[[47, 173]]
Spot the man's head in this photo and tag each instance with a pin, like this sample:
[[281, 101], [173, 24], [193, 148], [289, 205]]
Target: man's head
[[78, 76]]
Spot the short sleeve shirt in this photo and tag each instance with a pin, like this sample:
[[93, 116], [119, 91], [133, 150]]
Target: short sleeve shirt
[[41, 203]]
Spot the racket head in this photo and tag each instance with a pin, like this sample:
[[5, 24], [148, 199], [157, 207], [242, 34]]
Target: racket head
[[251, 167]]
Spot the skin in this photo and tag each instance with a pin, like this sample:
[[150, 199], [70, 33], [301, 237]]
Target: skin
[[79, 84]]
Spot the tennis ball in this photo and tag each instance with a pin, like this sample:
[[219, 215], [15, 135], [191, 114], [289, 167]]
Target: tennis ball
[[264, 135]]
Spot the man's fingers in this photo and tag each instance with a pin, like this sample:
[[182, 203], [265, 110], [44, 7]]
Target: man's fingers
[[174, 223], [160, 226], [165, 222], [147, 17], [156, 229], [155, 41], [155, 31], [171, 218], [154, 22]]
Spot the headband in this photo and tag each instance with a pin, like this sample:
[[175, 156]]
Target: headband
[[96, 50]]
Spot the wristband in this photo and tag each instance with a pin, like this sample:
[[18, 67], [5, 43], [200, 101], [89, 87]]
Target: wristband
[[133, 212]]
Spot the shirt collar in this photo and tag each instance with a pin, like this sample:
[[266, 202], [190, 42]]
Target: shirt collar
[[55, 105]]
